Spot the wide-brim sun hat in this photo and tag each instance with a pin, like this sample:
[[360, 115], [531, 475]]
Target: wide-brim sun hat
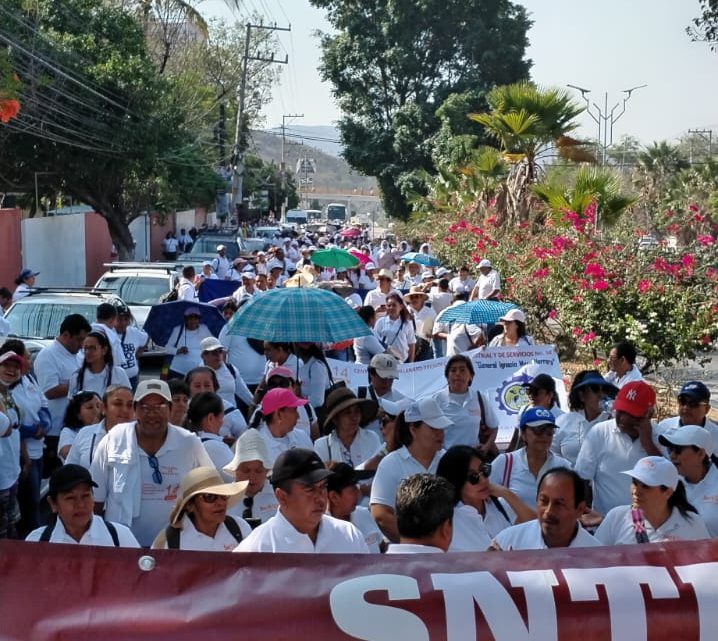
[[596, 380], [343, 398], [250, 447], [205, 480], [415, 290]]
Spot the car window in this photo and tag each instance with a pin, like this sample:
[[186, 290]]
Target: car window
[[208, 245], [43, 319], [254, 244], [136, 290]]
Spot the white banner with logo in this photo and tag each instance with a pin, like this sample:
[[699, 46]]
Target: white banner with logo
[[500, 374]]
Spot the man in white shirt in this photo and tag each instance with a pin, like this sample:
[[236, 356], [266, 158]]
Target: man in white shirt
[[614, 446], [185, 288], [376, 298], [560, 502], [488, 287], [424, 513], [383, 370], [622, 364], [220, 264], [301, 524], [71, 500], [694, 403], [463, 282], [138, 466], [247, 288]]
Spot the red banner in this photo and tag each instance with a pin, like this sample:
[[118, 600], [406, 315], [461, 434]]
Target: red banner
[[628, 593]]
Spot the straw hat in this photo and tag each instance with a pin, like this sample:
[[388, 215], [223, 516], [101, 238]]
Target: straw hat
[[205, 480], [343, 398], [415, 290]]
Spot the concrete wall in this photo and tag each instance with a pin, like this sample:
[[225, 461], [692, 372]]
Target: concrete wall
[[159, 226], [98, 248], [139, 228], [55, 247], [184, 220], [11, 244]]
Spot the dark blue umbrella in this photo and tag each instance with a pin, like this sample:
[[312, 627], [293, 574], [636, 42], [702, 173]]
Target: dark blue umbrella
[[422, 259], [164, 317], [477, 312]]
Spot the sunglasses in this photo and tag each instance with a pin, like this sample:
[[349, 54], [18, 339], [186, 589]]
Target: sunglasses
[[474, 477], [155, 465], [690, 402], [211, 498], [540, 430], [596, 389]]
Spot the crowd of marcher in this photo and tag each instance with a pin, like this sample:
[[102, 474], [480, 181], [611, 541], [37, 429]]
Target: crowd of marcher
[[252, 446]]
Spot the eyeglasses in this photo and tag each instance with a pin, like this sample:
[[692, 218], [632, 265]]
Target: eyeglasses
[[676, 449], [149, 409], [540, 430], [474, 477], [690, 402], [155, 465], [211, 498], [248, 503]]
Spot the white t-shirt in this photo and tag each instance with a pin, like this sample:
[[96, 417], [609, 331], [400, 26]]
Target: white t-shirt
[[459, 337], [118, 354], [279, 535], [217, 449], [571, 432], [9, 455], [494, 521], [97, 383], [632, 375], [231, 385], [222, 541], [527, 536], [439, 300], [55, 365], [183, 337], [85, 444], [275, 446], [376, 298], [412, 548], [97, 534], [246, 361], [604, 454], [362, 519], [264, 504], [394, 468], [314, 375], [467, 284], [464, 411], [365, 445], [130, 342], [186, 291], [521, 481], [29, 400], [234, 424], [704, 497], [423, 321], [617, 528], [487, 284], [469, 530], [396, 335], [366, 347]]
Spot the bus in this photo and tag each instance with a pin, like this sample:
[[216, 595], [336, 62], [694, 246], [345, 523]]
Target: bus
[[336, 211]]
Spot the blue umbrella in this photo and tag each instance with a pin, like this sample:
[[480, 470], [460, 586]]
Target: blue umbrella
[[476, 312], [164, 317], [298, 314], [422, 259]]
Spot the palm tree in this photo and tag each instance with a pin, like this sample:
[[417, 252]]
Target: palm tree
[[529, 123]]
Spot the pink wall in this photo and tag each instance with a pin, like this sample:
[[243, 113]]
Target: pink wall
[[11, 254], [98, 247]]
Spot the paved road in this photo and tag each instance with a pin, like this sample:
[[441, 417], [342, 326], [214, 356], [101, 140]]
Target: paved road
[[693, 371]]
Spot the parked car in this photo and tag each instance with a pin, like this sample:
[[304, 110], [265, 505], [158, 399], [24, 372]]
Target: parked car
[[36, 318], [205, 248]]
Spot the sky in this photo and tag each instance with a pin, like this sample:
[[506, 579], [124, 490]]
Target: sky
[[605, 46]]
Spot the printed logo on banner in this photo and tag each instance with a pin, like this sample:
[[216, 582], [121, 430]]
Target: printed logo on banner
[[511, 395]]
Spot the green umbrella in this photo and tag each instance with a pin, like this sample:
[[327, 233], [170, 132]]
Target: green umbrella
[[334, 257]]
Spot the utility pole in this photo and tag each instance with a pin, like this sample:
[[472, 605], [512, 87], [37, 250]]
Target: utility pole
[[604, 118], [706, 134], [282, 164], [238, 151]]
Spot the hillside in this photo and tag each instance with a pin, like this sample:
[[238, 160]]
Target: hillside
[[332, 172]]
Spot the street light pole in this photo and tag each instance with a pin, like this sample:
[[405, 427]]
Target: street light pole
[[604, 118]]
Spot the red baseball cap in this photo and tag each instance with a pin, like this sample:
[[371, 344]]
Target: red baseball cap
[[280, 397], [635, 398]]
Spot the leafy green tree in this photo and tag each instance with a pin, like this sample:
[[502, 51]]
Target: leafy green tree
[[393, 64], [705, 26]]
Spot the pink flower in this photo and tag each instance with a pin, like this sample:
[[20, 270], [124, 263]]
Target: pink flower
[[594, 270], [688, 260], [644, 285], [693, 207], [552, 314], [699, 218], [577, 331], [600, 285], [705, 240], [596, 362], [541, 273], [587, 338], [705, 339]]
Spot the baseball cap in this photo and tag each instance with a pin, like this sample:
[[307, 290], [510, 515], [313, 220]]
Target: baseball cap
[[239, 261], [635, 398], [153, 386], [210, 344], [250, 447], [655, 471], [535, 417], [282, 371], [427, 410], [514, 315], [249, 274], [299, 464], [426, 274], [192, 311], [441, 272], [696, 390], [221, 247], [206, 263], [484, 263], [275, 264], [279, 398], [11, 356], [688, 435], [386, 365], [542, 381], [26, 273], [369, 266], [68, 476], [344, 475]]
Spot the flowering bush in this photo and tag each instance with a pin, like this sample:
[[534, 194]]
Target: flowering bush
[[578, 287], [9, 86]]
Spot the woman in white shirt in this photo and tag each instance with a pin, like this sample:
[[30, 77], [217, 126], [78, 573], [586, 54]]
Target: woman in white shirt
[[199, 519], [183, 343], [206, 415], [132, 341], [366, 347], [315, 375], [481, 509], [25, 282], [691, 450], [513, 323], [588, 391], [659, 509], [395, 330], [346, 441], [83, 409], [97, 371]]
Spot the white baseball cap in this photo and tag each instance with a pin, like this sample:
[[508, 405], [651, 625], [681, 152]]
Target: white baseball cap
[[655, 471], [386, 365], [369, 266], [514, 315], [210, 344], [426, 274], [221, 247], [484, 263], [442, 271], [688, 435], [427, 410], [153, 386]]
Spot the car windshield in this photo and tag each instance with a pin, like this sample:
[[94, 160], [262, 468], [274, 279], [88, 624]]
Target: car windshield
[[135, 290], [43, 319], [208, 245], [254, 244]]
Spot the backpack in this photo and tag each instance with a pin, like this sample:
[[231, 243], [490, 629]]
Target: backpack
[[321, 411], [171, 295], [172, 534], [47, 532]]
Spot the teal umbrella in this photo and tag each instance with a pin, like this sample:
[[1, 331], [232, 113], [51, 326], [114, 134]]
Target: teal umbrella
[[334, 257], [298, 314]]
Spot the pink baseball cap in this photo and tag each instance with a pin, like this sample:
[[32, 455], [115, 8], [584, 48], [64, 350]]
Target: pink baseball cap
[[279, 398], [282, 371]]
